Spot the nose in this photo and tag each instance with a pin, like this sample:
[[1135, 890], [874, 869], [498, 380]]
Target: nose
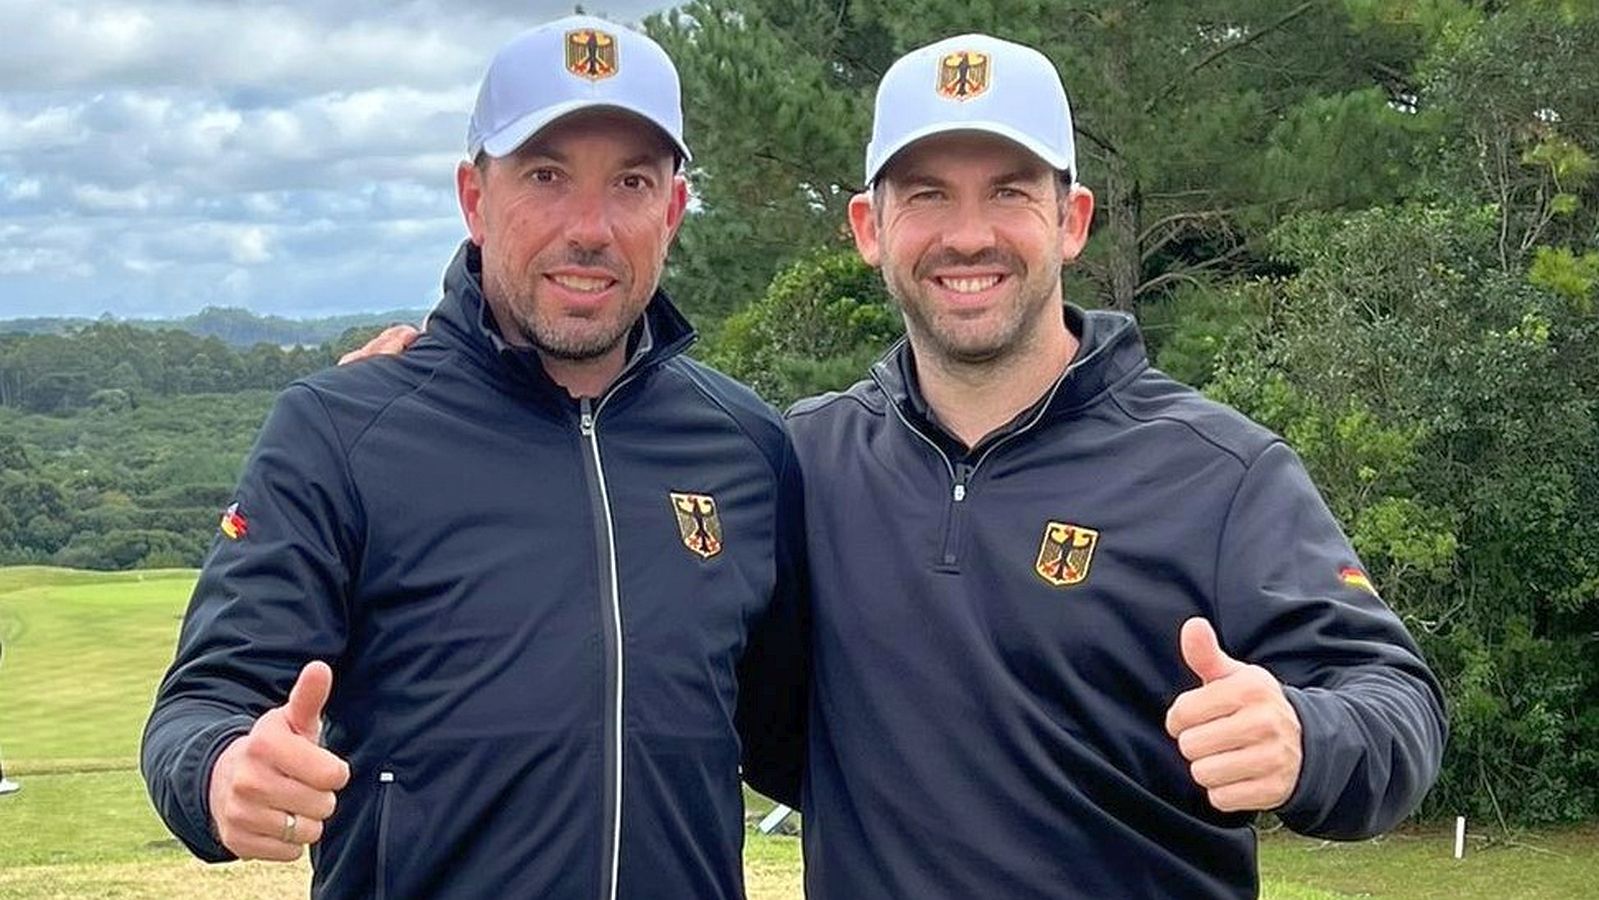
[[588, 223], [968, 230]]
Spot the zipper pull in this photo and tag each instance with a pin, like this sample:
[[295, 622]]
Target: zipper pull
[[385, 777], [963, 473], [586, 421]]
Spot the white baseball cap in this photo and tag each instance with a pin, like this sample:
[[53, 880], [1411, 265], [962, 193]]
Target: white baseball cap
[[973, 82], [572, 64]]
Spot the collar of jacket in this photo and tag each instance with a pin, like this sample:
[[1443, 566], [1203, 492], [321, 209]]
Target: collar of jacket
[[1109, 348], [462, 319]]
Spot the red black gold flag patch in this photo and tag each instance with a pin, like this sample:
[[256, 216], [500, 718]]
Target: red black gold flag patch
[[233, 523], [698, 523], [963, 75], [1064, 556], [1355, 578], [591, 53]]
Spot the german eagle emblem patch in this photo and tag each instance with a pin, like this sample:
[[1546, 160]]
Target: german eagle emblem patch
[[698, 523], [963, 75], [1066, 553], [591, 53]]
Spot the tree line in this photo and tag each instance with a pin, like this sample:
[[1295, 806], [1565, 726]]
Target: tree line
[[235, 327], [119, 445]]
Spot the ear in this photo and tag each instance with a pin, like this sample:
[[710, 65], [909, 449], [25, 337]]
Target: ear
[[469, 191], [863, 222], [678, 206], [1077, 211]]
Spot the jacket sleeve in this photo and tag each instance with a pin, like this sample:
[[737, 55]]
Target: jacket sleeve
[[774, 672], [1290, 597], [267, 602]]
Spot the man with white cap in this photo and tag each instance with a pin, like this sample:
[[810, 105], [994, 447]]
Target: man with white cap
[[1078, 623], [497, 618]]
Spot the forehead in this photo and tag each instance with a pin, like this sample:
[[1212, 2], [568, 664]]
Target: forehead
[[964, 154], [629, 135]]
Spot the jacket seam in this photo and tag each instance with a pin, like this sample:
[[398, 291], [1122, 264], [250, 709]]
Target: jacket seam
[[704, 390], [1237, 456], [1226, 524], [817, 404]]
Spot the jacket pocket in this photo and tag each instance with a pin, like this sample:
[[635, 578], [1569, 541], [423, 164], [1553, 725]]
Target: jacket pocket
[[385, 793]]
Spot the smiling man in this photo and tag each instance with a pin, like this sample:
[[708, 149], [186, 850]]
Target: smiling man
[[497, 617], [1078, 623]]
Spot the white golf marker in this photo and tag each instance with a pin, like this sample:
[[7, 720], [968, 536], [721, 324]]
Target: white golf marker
[[1460, 836], [774, 818]]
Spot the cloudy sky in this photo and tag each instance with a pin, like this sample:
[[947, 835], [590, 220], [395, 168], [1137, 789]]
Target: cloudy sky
[[293, 158]]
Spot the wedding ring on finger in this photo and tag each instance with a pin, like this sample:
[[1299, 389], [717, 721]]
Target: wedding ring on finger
[[289, 823]]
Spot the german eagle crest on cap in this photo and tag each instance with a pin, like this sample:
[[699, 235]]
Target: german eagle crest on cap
[[591, 53], [963, 74]]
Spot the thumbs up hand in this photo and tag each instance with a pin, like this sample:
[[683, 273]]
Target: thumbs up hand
[[1237, 730], [272, 789]]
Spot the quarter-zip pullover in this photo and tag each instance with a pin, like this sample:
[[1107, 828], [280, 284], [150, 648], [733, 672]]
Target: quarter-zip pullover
[[996, 640]]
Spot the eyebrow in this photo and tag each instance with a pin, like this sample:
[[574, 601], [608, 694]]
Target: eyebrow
[[641, 160], [531, 152], [918, 179], [1022, 175], [534, 152], [923, 179]]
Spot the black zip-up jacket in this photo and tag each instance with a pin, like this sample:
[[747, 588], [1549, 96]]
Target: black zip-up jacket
[[546, 642], [996, 640]]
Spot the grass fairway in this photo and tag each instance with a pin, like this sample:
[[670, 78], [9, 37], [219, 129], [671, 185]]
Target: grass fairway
[[83, 654]]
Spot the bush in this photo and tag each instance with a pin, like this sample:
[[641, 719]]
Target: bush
[[1448, 409]]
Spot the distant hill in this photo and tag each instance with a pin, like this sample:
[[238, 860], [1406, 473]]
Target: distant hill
[[236, 327]]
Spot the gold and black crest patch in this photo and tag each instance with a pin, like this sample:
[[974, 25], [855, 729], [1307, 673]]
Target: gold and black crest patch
[[698, 523], [963, 75], [1065, 554], [591, 53]]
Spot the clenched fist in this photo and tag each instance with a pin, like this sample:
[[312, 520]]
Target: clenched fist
[[272, 789], [1237, 730]]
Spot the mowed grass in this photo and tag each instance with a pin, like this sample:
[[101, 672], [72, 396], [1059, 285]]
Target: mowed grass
[[83, 654], [85, 650]]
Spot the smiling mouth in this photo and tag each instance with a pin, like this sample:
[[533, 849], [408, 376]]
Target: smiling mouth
[[582, 284], [969, 284]]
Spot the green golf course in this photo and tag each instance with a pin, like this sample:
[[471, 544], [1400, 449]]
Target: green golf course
[[84, 651]]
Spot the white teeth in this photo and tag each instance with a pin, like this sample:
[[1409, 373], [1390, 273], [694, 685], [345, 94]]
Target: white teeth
[[969, 285], [579, 283]]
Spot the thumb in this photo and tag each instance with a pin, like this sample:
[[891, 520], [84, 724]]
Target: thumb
[[1203, 653], [310, 693]]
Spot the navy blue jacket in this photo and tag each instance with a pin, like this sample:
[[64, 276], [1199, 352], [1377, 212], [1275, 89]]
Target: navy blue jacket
[[996, 640], [547, 643]]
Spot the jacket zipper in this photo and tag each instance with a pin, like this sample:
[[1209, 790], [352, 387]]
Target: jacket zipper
[[385, 781], [961, 474], [611, 614]]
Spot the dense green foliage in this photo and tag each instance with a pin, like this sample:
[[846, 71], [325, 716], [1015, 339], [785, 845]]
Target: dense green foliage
[[119, 445], [122, 488]]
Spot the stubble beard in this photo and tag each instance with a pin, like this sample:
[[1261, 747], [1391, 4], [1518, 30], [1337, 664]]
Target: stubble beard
[[945, 339], [574, 340]]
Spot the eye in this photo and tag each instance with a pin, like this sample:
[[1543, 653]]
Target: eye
[[544, 175], [636, 182], [1010, 193], [925, 195]]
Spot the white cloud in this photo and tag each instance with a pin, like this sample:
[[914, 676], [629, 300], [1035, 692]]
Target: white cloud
[[296, 157]]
